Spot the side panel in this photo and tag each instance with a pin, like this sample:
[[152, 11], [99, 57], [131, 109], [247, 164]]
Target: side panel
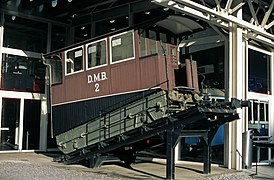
[[114, 124], [149, 71], [166, 71], [67, 116], [124, 77]]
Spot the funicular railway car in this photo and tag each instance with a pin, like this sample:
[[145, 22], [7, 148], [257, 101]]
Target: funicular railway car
[[105, 88], [90, 78]]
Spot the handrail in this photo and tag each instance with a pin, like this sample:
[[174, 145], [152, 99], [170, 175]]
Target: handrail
[[121, 122]]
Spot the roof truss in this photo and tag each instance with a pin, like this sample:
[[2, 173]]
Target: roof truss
[[221, 14]]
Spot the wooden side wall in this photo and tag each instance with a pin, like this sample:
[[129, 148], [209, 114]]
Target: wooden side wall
[[126, 76]]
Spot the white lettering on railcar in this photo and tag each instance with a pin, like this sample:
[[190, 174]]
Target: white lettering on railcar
[[95, 78]]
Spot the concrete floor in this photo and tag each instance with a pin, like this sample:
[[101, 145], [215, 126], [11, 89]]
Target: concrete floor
[[142, 169]]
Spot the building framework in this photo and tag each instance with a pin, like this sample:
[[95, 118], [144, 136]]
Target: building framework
[[243, 28], [241, 31]]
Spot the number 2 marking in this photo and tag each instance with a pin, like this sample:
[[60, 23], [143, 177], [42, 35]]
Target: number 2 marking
[[97, 87]]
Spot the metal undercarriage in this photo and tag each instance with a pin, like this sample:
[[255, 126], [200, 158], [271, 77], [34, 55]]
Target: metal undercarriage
[[122, 132]]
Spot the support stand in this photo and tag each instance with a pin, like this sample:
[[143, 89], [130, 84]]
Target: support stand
[[172, 138], [96, 160]]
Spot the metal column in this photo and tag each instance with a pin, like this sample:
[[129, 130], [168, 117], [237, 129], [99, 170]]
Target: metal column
[[237, 82], [170, 164]]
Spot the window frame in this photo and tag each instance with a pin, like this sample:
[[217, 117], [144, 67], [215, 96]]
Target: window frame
[[86, 49], [110, 47], [58, 61], [254, 48], [140, 33], [68, 74], [152, 40]]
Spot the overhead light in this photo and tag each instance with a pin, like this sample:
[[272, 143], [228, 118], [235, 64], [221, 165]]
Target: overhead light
[[82, 28], [147, 12], [85, 35], [13, 17], [17, 3], [54, 3], [113, 29], [166, 9], [69, 0], [126, 17], [41, 7], [112, 21]]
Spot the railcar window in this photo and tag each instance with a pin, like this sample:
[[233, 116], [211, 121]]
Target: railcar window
[[173, 55], [96, 54], [122, 47], [152, 42], [143, 42], [74, 60], [173, 40], [56, 71], [163, 41]]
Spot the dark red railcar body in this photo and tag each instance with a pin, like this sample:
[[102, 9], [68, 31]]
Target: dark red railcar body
[[83, 95]]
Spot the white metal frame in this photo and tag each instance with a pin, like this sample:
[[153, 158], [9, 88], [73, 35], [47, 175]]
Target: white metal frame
[[86, 47], [83, 68], [240, 31], [22, 96], [110, 47], [266, 97]]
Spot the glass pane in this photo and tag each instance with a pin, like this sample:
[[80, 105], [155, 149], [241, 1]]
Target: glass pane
[[255, 111], [10, 124], [111, 25], [96, 54], [250, 115], [56, 70], [122, 47], [259, 72], [82, 33], [23, 73], [173, 55], [31, 129], [262, 112], [163, 43], [74, 60], [143, 42], [25, 34], [57, 37], [266, 112], [152, 40]]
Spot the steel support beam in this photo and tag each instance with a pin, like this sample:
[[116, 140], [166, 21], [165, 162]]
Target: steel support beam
[[170, 163], [267, 14], [206, 157], [220, 18], [237, 78], [172, 139], [253, 13], [36, 18]]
